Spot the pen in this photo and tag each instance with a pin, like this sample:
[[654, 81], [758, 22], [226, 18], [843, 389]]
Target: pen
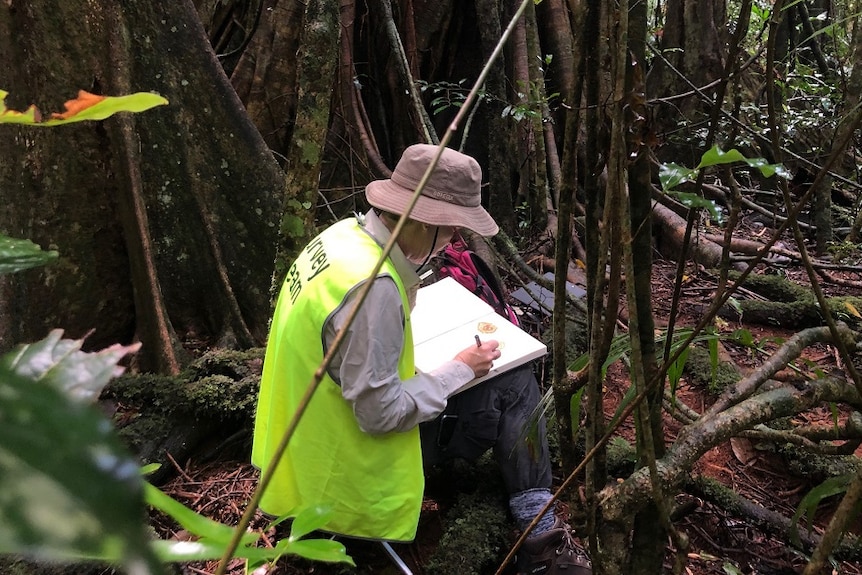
[[478, 341]]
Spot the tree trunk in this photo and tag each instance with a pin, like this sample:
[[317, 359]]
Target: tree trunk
[[316, 76], [850, 119], [557, 34], [650, 525], [265, 77], [694, 50], [535, 173], [498, 132], [596, 249], [194, 218]]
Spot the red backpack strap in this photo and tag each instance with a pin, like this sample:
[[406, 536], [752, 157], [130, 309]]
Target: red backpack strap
[[471, 271], [487, 276]]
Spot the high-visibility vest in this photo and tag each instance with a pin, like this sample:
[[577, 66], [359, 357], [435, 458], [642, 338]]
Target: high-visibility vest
[[372, 483]]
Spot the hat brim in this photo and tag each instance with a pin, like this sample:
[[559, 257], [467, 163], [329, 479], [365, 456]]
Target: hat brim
[[389, 196]]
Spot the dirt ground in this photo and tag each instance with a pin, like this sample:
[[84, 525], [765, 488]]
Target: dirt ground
[[721, 543]]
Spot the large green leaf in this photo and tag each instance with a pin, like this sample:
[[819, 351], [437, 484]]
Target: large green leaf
[[715, 157], [309, 519], [318, 550], [192, 521], [170, 551], [68, 487], [17, 255], [693, 201], [671, 175], [61, 363]]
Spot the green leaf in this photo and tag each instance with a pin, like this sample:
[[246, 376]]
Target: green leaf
[[193, 522], [68, 487], [743, 337], [17, 255], [110, 105], [808, 505], [62, 364], [319, 550], [768, 170], [86, 107], [207, 550], [629, 396], [693, 201], [293, 226], [308, 520], [575, 410], [213, 537], [204, 550], [671, 175], [675, 370], [716, 157]]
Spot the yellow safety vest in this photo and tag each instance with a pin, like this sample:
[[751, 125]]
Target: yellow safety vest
[[373, 483]]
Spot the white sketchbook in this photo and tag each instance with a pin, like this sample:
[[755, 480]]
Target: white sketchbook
[[447, 318]]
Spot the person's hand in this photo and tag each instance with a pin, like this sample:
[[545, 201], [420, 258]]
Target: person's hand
[[480, 357]]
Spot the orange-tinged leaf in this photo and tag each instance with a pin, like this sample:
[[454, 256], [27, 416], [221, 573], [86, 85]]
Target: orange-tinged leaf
[[86, 107], [852, 309], [8, 116], [82, 102]]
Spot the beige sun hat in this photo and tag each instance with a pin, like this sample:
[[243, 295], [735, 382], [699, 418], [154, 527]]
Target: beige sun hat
[[451, 197]]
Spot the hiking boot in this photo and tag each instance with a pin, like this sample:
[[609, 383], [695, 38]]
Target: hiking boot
[[553, 552]]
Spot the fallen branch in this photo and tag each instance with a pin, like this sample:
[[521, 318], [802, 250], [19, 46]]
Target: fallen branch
[[789, 351], [703, 251], [766, 519], [620, 501]]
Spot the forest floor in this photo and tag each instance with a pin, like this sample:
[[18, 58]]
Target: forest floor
[[721, 543]]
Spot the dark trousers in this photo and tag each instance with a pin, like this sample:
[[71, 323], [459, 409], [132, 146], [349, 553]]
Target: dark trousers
[[496, 414]]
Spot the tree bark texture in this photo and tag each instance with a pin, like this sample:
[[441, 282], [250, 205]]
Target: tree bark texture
[[497, 128], [208, 184], [316, 77], [649, 540], [694, 47], [849, 121], [618, 501], [265, 77]]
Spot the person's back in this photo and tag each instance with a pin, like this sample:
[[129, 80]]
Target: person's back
[[340, 464]]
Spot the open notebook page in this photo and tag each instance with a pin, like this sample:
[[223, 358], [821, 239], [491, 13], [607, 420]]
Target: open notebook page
[[446, 319]]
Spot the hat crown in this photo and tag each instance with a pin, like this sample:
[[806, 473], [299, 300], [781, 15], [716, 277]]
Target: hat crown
[[456, 178], [451, 196]]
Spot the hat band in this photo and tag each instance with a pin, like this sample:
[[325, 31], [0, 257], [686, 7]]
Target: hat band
[[433, 193]]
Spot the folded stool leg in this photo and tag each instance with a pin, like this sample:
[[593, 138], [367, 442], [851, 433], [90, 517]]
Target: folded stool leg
[[402, 566]]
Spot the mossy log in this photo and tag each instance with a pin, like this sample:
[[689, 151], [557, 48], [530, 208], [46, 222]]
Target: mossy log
[[168, 419], [787, 305], [772, 522]]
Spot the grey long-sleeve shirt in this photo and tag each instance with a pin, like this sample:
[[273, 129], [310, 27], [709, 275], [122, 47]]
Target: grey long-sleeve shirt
[[366, 365]]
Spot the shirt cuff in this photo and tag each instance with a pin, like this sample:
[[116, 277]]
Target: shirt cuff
[[453, 375]]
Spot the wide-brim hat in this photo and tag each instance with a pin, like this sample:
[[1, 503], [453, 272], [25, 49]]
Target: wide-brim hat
[[452, 195]]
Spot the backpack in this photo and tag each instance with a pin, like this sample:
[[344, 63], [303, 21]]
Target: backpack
[[470, 270]]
